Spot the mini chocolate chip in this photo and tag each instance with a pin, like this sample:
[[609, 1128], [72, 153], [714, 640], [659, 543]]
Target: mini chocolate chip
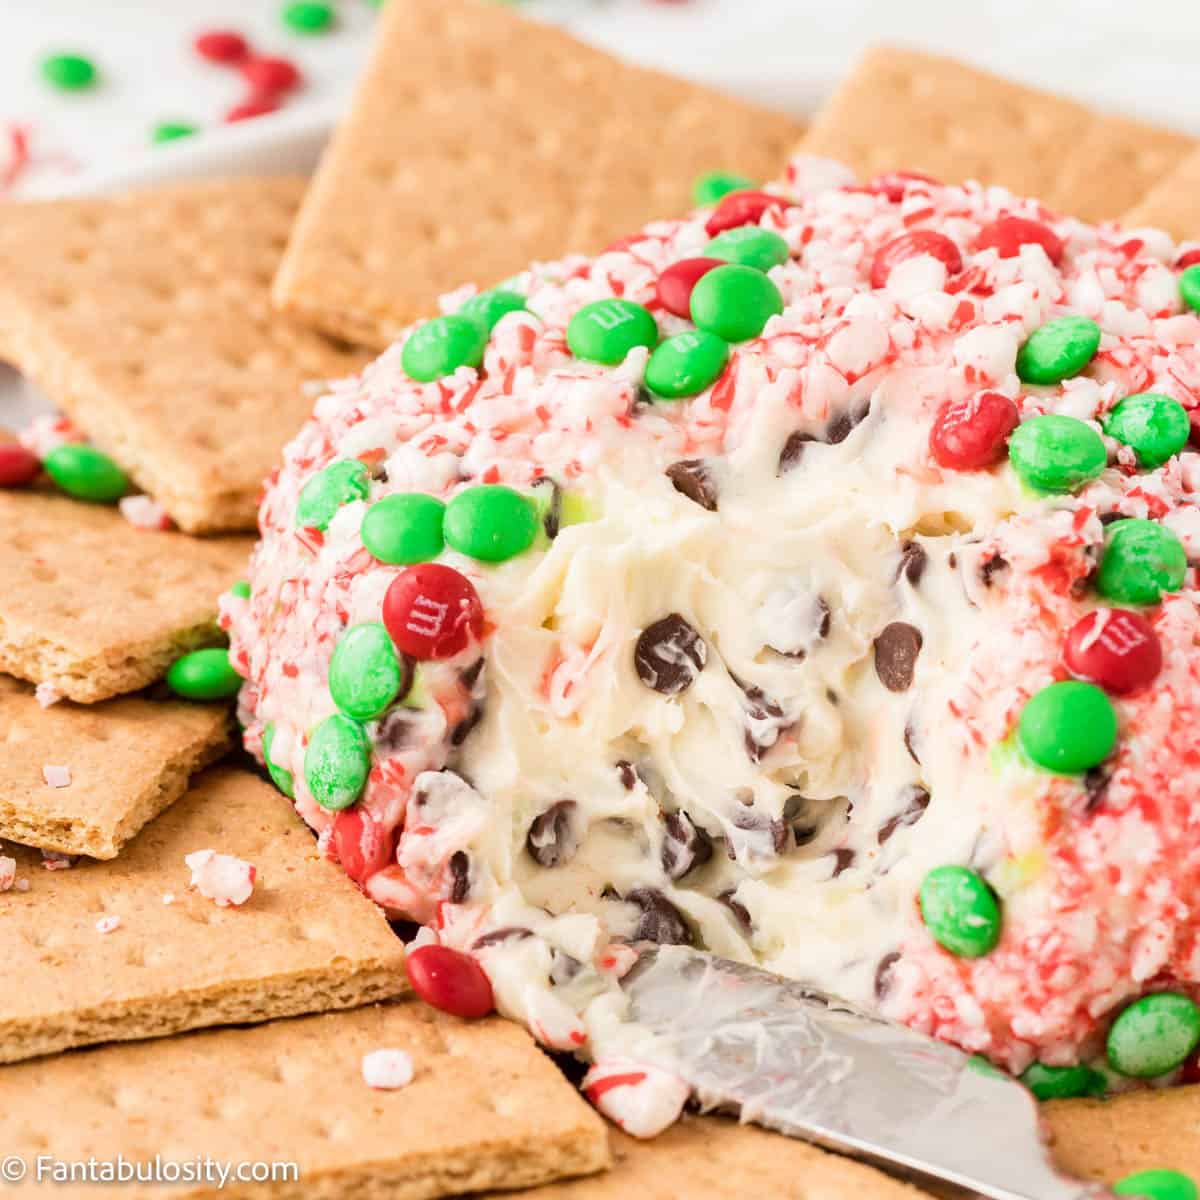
[[669, 655], [460, 872], [1109, 517], [552, 517], [915, 801], [797, 814], [778, 828], [379, 473], [990, 568], [685, 847], [660, 921], [469, 676], [462, 730], [896, 650], [841, 860], [628, 773], [396, 732], [793, 451], [913, 561], [1095, 784], [693, 479], [739, 910], [883, 974], [952, 560], [405, 930], [844, 424], [551, 840], [909, 738], [824, 618], [508, 933]]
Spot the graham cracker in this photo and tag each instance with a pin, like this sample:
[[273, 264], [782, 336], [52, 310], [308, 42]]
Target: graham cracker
[[146, 316], [307, 940], [128, 760], [698, 1157], [1173, 203], [94, 605], [905, 109], [480, 141], [486, 1108], [1109, 1139]]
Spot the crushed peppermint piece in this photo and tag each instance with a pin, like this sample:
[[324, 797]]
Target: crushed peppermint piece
[[641, 1099], [53, 861], [108, 924], [221, 878], [387, 1069], [56, 776], [144, 512], [8, 872], [46, 694]]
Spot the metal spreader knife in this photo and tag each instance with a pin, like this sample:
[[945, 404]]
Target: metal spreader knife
[[790, 1059]]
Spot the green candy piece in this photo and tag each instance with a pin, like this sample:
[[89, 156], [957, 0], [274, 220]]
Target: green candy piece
[[171, 131], [734, 302], [439, 347], [405, 528], [307, 16], [1154, 1035], [1157, 1184], [339, 483], [1056, 454], [960, 911], [488, 307], [1142, 560], [68, 72], [365, 673], [1068, 727], [750, 246], [686, 364], [605, 331], [1061, 1083], [337, 761], [282, 778], [1157, 427], [86, 473], [715, 185], [1057, 350], [984, 1066], [241, 589], [491, 522], [1189, 287], [204, 675]]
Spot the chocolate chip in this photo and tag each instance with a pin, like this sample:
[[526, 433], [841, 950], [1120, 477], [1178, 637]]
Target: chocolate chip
[[628, 773], [913, 561], [693, 479], [824, 618], [1095, 784], [841, 860], [379, 473], [508, 933], [462, 730], [739, 910], [777, 832], [1109, 517], [990, 568], [909, 738], [552, 516], [844, 424], [883, 973], [669, 655], [952, 560], [460, 872], [551, 840], [896, 650], [793, 451], [797, 813], [685, 846], [914, 801], [660, 921], [396, 732], [469, 676]]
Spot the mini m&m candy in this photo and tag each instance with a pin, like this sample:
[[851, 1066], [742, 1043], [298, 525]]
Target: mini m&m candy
[[339, 483], [269, 76], [405, 528], [716, 185], [450, 980], [1058, 350], [69, 72], [86, 473], [741, 208], [18, 466], [281, 777], [1054, 453], [491, 523], [221, 46], [1158, 1183], [1068, 727], [686, 364], [1063, 1083], [960, 911], [360, 843], [1156, 427], [204, 675], [972, 434], [1141, 561], [336, 762], [734, 303], [439, 347], [1189, 287], [674, 288], [432, 611], [488, 307], [366, 676], [750, 246], [911, 245], [1114, 648], [307, 16], [607, 330], [1006, 235], [1154, 1035]]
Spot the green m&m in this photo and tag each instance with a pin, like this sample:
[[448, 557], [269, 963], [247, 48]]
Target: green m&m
[[1062, 1083], [1157, 1184], [241, 589], [1142, 560], [204, 675], [1068, 727], [715, 185], [366, 675], [1057, 350], [68, 72], [488, 307], [734, 302], [339, 483], [439, 347], [684, 365], [86, 473], [171, 131], [307, 16], [282, 777], [1053, 453], [1154, 1035], [336, 762], [491, 522], [607, 330], [750, 246], [1155, 426], [404, 528], [1189, 287], [960, 911]]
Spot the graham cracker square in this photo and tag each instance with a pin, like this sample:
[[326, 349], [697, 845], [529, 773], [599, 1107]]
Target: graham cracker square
[[1173, 203]]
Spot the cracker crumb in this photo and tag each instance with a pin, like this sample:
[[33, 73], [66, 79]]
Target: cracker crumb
[[47, 694], [53, 861], [387, 1069], [56, 776], [22, 885], [108, 924], [222, 878]]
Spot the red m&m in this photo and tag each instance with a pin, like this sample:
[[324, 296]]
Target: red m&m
[[18, 466], [1115, 648], [741, 208], [1007, 235], [910, 245], [221, 46], [450, 980], [361, 844], [971, 434], [675, 284], [432, 611]]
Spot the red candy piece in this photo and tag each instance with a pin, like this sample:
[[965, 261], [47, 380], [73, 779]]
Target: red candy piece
[[741, 208], [1189, 258], [1114, 648], [271, 75], [221, 46], [893, 184], [255, 106], [17, 466], [432, 611], [1190, 1071], [360, 843], [450, 980], [968, 435], [1009, 234], [909, 245], [676, 282]]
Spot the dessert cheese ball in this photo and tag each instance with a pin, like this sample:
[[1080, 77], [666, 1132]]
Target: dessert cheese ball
[[808, 581]]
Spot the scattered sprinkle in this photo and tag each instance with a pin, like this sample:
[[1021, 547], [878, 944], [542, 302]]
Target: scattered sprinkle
[[222, 878], [387, 1069]]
